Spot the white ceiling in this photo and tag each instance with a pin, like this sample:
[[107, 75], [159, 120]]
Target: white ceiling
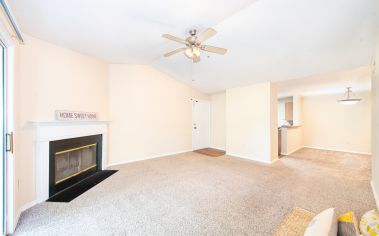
[[267, 40], [333, 83]]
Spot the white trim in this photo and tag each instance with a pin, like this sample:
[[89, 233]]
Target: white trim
[[338, 150], [66, 122], [149, 158], [24, 208], [292, 151], [10, 157], [375, 193], [250, 159]]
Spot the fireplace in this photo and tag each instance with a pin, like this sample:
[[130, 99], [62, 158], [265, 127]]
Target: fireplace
[[73, 160]]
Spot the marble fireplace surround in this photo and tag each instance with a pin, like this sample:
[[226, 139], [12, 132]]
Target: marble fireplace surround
[[46, 131]]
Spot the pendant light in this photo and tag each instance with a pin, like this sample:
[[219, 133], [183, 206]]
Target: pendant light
[[349, 99]]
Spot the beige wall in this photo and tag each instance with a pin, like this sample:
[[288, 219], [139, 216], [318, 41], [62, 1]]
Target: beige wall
[[151, 113], [330, 125], [251, 122], [273, 121], [297, 110], [149, 109], [48, 78], [218, 103], [375, 128]]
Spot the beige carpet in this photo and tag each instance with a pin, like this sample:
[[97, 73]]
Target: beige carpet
[[193, 194]]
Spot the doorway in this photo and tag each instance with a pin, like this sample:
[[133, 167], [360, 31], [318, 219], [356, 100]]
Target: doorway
[[201, 124]]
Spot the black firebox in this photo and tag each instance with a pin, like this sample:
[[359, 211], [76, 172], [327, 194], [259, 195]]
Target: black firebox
[[73, 160]]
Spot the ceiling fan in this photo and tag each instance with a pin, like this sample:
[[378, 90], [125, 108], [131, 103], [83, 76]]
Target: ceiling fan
[[193, 44]]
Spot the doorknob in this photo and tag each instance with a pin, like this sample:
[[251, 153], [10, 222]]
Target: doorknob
[[9, 142]]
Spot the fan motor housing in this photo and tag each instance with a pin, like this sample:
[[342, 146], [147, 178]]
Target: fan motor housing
[[192, 39]]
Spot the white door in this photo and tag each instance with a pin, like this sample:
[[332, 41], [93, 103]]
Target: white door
[[201, 124]]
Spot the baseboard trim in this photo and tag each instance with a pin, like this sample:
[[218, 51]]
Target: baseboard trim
[[375, 193], [292, 151], [149, 158], [249, 158], [338, 150]]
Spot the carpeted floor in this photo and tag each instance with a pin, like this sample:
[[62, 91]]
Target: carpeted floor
[[193, 194]]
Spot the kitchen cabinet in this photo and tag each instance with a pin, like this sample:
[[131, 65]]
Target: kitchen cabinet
[[289, 111]]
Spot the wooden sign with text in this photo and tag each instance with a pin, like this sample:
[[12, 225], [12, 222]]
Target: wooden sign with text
[[75, 115]]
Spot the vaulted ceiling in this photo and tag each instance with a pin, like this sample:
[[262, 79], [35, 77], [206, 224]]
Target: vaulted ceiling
[[267, 40], [333, 83]]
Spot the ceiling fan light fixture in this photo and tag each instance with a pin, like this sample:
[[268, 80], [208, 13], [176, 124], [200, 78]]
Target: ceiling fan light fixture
[[348, 100], [194, 44], [189, 53], [196, 51]]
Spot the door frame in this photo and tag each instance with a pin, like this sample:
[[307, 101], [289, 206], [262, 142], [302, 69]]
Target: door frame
[[9, 175], [192, 121]]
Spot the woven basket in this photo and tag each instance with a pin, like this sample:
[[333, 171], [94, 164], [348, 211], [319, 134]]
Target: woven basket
[[295, 223]]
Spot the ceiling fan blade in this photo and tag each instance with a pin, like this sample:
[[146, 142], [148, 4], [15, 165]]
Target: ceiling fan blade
[[174, 52], [217, 50], [174, 38], [196, 59], [206, 35]]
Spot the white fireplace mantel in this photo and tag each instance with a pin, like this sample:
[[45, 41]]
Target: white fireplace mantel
[[46, 131]]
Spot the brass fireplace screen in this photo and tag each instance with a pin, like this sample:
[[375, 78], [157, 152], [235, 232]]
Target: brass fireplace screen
[[72, 162]]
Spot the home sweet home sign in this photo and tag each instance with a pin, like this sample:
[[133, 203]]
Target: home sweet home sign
[[75, 115]]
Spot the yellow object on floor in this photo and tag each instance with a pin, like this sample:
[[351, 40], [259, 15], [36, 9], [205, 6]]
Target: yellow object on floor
[[369, 224], [347, 224], [347, 217]]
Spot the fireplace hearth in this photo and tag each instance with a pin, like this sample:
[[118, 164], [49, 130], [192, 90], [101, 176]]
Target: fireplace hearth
[[73, 160]]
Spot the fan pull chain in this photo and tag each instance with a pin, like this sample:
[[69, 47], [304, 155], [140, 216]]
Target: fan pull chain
[[192, 79]]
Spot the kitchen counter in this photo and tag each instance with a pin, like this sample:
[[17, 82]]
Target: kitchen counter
[[291, 139]]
